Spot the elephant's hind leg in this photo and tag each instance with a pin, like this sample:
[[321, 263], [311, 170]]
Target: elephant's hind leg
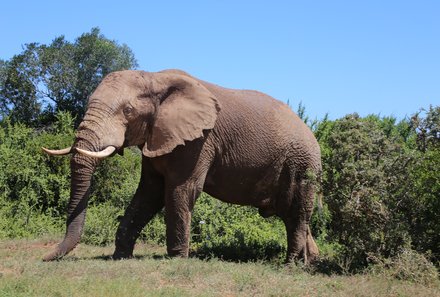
[[300, 243], [312, 248], [147, 202]]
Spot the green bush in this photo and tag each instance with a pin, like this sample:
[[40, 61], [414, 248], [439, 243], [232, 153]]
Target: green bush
[[116, 179], [101, 224], [365, 170], [21, 221], [235, 232], [155, 231], [423, 203], [34, 189], [407, 265]]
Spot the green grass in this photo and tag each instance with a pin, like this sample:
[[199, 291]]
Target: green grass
[[87, 271]]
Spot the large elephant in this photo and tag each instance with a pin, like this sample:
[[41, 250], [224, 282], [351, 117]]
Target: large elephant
[[239, 146]]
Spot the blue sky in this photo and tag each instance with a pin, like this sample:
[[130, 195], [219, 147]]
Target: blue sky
[[337, 57]]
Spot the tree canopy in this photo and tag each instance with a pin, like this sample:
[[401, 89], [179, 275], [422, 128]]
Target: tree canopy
[[44, 79]]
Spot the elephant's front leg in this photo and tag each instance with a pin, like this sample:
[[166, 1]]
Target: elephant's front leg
[[148, 201], [140, 211], [179, 202]]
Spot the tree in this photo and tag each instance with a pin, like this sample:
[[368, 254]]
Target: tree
[[3, 71], [423, 201], [45, 79], [427, 128], [18, 94]]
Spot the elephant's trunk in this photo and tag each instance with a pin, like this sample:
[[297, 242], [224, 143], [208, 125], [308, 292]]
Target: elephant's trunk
[[82, 168]]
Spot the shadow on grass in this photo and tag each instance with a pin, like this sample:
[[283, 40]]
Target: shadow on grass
[[322, 266], [194, 255], [325, 266], [136, 257]]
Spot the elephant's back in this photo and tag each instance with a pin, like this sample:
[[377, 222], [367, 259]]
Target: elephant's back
[[259, 114], [256, 125]]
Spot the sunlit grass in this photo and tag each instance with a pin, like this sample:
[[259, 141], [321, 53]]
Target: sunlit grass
[[88, 271]]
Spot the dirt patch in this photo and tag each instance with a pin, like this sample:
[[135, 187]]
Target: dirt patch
[[8, 272], [41, 245]]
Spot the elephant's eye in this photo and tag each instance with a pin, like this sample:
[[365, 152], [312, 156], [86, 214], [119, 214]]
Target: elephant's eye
[[127, 110]]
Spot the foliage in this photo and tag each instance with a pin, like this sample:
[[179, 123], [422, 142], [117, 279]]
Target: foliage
[[428, 128], [407, 265], [235, 233], [155, 231], [18, 93], [19, 221], [117, 178], [24, 182], [101, 225], [360, 184], [423, 203], [423, 200], [45, 79], [380, 185]]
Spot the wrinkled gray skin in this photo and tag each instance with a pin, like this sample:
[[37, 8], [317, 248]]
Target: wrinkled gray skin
[[239, 146]]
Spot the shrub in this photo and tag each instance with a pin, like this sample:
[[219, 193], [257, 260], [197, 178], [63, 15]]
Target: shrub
[[101, 224], [155, 231], [422, 203], [21, 221], [116, 179], [235, 232], [407, 265], [365, 173], [33, 187]]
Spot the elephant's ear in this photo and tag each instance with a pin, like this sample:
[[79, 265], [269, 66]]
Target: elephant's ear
[[186, 108]]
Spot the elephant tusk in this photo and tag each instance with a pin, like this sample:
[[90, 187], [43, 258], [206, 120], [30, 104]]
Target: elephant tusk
[[62, 152], [100, 155]]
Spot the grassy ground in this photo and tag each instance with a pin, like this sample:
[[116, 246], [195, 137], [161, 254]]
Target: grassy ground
[[89, 272]]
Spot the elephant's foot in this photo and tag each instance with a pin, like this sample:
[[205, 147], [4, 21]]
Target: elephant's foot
[[309, 253], [312, 251], [120, 255], [124, 244], [123, 252], [178, 252]]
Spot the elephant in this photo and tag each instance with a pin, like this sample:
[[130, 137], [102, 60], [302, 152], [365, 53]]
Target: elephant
[[239, 146]]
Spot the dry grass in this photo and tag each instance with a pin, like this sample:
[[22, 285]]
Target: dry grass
[[89, 272]]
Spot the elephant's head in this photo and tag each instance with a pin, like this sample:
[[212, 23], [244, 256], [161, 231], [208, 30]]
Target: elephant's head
[[155, 111]]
